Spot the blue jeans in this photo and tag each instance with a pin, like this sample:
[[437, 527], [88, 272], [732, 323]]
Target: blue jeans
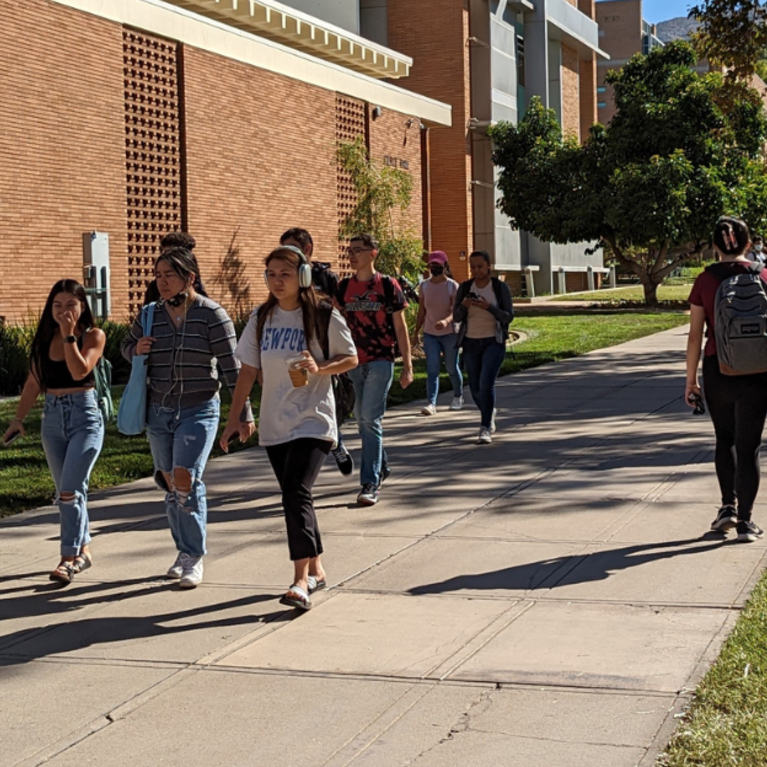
[[372, 382], [433, 346], [73, 435], [183, 439], [483, 358]]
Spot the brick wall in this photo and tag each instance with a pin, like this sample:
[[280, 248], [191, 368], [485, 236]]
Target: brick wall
[[441, 71], [394, 144], [260, 159], [571, 101], [61, 149]]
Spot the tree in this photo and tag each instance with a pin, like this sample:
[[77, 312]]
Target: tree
[[679, 153], [732, 34], [383, 196]]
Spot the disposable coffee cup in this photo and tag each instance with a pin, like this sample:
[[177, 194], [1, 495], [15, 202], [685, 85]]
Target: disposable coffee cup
[[298, 376]]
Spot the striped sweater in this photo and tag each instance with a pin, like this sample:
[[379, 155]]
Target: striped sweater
[[184, 364]]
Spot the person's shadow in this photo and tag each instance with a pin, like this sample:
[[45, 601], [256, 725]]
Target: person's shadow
[[594, 566], [69, 635]]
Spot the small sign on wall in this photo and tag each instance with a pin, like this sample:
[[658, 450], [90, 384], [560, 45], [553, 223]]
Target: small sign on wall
[[396, 162]]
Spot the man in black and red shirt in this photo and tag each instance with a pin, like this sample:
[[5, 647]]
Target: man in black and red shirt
[[373, 305]]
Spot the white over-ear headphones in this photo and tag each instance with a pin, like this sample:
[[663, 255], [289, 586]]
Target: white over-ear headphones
[[304, 268]]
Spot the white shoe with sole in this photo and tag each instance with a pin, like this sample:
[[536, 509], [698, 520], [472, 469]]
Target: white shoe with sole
[[192, 575], [429, 409], [457, 403], [484, 436], [176, 570]]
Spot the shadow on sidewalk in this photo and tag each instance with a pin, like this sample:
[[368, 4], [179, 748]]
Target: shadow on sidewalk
[[65, 637], [585, 568]]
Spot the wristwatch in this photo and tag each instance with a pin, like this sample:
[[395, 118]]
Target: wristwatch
[[70, 339]]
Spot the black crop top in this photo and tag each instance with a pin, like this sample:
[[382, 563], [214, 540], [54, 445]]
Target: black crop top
[[56, 374]]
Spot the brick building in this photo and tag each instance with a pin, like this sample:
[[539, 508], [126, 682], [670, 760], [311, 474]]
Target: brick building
[[622, 33], [136, 117], [487, 58]]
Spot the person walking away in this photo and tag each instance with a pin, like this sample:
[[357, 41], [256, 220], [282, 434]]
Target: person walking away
[[65, 350], [325, 281], [373, 305], [191, 337], [484, 308], [756, 253], [293, 345], [435, 316], [737, 403]]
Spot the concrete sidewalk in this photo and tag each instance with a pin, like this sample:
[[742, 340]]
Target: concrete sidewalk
[[550, 600]]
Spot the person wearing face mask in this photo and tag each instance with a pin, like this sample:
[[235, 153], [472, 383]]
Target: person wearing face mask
[[435, 316], [757, 253]]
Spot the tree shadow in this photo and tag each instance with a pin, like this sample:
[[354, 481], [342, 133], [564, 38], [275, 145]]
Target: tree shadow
[[232, 281]]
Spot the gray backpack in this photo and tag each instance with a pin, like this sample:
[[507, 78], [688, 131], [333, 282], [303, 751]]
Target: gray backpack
[[740, 309]]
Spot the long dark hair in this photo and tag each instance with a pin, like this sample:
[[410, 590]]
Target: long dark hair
[[731, 236], [48, 327], [307, 297]]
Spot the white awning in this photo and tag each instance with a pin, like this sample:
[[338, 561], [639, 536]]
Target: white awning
[[294, 29]]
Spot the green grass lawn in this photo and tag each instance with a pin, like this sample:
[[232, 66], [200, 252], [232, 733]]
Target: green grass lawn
[[665, 293], [25, 482], [727, 722]]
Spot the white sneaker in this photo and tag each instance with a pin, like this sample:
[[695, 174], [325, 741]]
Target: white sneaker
[[429, 410], [492, 420], [191, 577], [484, 436], [177, 568], [457, 403]]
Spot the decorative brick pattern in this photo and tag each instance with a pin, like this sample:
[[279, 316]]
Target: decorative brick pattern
[[350, 125], [152, 153], [571, 103]]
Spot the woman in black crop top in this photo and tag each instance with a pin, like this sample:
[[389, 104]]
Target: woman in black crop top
[[65, 349]]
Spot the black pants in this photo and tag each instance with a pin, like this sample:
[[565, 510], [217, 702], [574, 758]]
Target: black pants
[[738, 406], [296, 465]]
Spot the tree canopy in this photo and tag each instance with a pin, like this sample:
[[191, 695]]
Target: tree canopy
[[680, 151]]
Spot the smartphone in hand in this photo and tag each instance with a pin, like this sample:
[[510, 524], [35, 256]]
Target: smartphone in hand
[[12, 437]]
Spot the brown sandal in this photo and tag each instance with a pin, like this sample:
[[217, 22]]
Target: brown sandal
[[63, 573]]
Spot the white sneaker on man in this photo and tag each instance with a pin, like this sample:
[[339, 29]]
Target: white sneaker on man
[[191, 577], [429, 409], [484, 436], [457, 403]]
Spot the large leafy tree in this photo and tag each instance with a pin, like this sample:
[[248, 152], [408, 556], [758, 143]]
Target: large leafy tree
[[732, 34], [681, 151]]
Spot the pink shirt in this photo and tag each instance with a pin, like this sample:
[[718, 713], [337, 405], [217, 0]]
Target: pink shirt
[[438, 299]]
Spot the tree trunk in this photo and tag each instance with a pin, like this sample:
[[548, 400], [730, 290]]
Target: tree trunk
[[650, 290]]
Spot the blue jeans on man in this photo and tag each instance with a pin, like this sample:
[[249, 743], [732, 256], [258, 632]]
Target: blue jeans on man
[[433, 348], [372, 381], [183, 438]]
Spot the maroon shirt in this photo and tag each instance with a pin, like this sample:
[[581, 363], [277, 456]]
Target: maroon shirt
[[704, 290]]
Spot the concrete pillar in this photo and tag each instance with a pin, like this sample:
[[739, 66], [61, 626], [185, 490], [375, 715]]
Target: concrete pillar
[[613, 278], [562, 284], [590, 276], [529, 282]]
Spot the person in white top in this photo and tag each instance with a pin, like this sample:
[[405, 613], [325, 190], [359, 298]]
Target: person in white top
[[292, 345], [757, 251], [435, 316]]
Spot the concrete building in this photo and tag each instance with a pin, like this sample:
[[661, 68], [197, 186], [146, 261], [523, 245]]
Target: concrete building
[[487, 58], [124, 119], [622, 33]]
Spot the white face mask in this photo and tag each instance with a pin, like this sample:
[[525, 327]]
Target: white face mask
[[758, 247]]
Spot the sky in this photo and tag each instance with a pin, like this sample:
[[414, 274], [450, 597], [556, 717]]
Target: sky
[[662, 10]]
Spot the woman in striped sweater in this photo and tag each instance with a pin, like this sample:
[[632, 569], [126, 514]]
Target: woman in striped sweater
[[192, 338]]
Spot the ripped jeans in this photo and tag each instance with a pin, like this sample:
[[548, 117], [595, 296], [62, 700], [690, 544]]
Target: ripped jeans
[[182, 440], [72, 433]]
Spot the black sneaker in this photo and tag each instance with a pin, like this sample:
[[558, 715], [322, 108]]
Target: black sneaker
[[344, 460], [726, 519], [368, 495], [748, 532]]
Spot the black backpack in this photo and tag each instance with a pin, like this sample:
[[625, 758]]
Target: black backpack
[[343, 389]]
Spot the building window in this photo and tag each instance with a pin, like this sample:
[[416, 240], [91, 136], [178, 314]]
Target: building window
[[601, 104], [601, 89], [521, 60]]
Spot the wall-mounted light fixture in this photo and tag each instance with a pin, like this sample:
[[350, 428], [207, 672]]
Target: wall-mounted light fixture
[[377, 112], [414, 121]]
